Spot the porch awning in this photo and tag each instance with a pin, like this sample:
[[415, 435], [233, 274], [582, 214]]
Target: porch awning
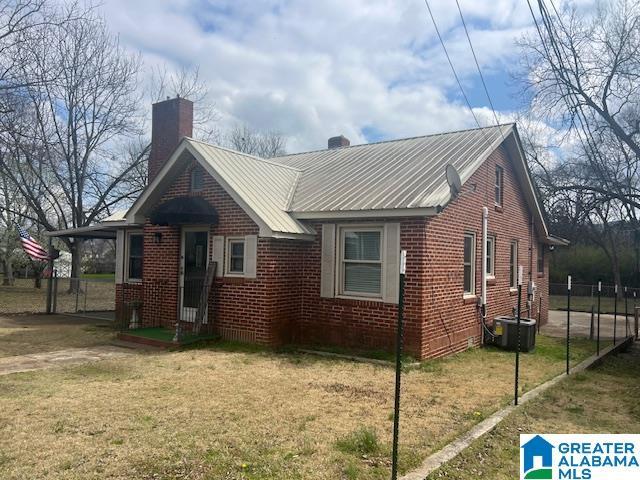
[[184, 210]]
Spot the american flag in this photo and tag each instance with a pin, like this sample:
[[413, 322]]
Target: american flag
[[31, 247]]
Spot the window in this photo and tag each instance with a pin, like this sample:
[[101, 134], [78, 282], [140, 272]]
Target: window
[[361, 261], [540, 258], [235, 256], [513, 265], [491, 257], [499, 184], [469, 263], [197, 179], [134, 263]]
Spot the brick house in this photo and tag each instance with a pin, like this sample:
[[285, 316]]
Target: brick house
[[307, 245]]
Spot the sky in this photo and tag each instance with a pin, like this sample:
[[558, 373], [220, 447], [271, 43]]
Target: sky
[[368, 69]]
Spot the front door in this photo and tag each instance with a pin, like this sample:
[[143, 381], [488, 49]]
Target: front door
[[193, 269]]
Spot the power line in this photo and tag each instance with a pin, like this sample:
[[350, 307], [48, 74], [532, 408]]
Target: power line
[[475, 59], [455, 74]]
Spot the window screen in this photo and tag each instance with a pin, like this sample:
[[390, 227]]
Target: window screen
[[362, 262], [468, 263], [135, 256]]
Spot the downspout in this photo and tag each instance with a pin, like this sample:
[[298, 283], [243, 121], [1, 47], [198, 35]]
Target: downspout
[[483, 270]]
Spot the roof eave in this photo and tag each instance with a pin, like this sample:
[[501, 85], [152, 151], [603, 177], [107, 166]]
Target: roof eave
[[357, 214]]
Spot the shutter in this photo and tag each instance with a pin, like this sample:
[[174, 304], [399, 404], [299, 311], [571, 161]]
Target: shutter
[[250, 255], [391, 263], [218, 254], [120, 235], [328, 261]]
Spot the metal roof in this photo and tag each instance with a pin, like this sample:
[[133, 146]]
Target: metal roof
[[264, 186], [394, 178], [398, 174]]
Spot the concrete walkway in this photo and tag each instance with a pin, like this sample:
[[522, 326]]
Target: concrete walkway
[[581, 324], [71, 356]]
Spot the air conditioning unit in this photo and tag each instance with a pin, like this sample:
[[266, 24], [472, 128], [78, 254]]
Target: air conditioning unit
[[505, 331]]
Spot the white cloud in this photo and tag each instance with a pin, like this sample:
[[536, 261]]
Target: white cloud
[[316, 69]]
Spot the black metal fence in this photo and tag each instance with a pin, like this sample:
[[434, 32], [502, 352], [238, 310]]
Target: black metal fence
[[584, 298]]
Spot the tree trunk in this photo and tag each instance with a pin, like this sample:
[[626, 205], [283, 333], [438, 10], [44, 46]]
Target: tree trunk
[[76, 266], [7, 269]]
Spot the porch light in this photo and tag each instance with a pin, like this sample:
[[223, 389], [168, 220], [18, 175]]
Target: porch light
[[157, 237]]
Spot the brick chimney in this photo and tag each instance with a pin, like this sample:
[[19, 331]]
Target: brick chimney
[[337, 142], [171, 120]]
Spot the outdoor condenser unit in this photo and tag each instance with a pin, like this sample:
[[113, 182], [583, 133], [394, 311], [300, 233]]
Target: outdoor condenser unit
[[505, 330]]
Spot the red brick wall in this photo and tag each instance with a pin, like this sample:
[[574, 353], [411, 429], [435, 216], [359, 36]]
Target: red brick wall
[[362, 323], [283, 304], [449, 321]]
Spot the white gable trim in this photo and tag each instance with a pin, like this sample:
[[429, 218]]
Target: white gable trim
[[163, 180]]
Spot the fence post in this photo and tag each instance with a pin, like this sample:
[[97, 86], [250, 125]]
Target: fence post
[[399, 338], [568, 317], [598, 337], [615, 311], [593, 309], [55, 292], [50, 279], [539, 312], [626, 313]]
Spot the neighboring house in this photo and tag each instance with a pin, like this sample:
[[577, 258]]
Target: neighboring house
[[308, 245]]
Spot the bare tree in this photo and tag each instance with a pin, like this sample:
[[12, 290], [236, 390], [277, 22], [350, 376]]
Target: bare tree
[[186, 83], [267, 144], [59, 142], [582, 74]]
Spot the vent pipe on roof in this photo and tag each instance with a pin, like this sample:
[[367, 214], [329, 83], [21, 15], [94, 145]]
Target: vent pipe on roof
[[338, 142]]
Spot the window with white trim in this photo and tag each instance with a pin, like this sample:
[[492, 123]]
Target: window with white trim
[[513, 264], [499, 185], [235, 256], [469, 268], [361, 261], [135, 249], [491, 256]]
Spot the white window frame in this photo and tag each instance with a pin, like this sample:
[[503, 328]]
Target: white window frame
[[513, 265], [499, 186], [491, 256], [472, 291], [227, 259], [127, 247], [340, 276]]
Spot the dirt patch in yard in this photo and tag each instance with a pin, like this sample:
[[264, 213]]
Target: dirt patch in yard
[[25, 334], [95, 295], [205, 414]]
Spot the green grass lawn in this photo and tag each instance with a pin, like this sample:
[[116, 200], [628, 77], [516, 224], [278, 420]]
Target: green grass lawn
[[100, 276], [601, 400]]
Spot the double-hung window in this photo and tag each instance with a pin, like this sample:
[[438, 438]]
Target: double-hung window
[[499, 185], [134, 260], [513, 265], [361, 261], [235, 256], [469, 263], [491, 256]]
